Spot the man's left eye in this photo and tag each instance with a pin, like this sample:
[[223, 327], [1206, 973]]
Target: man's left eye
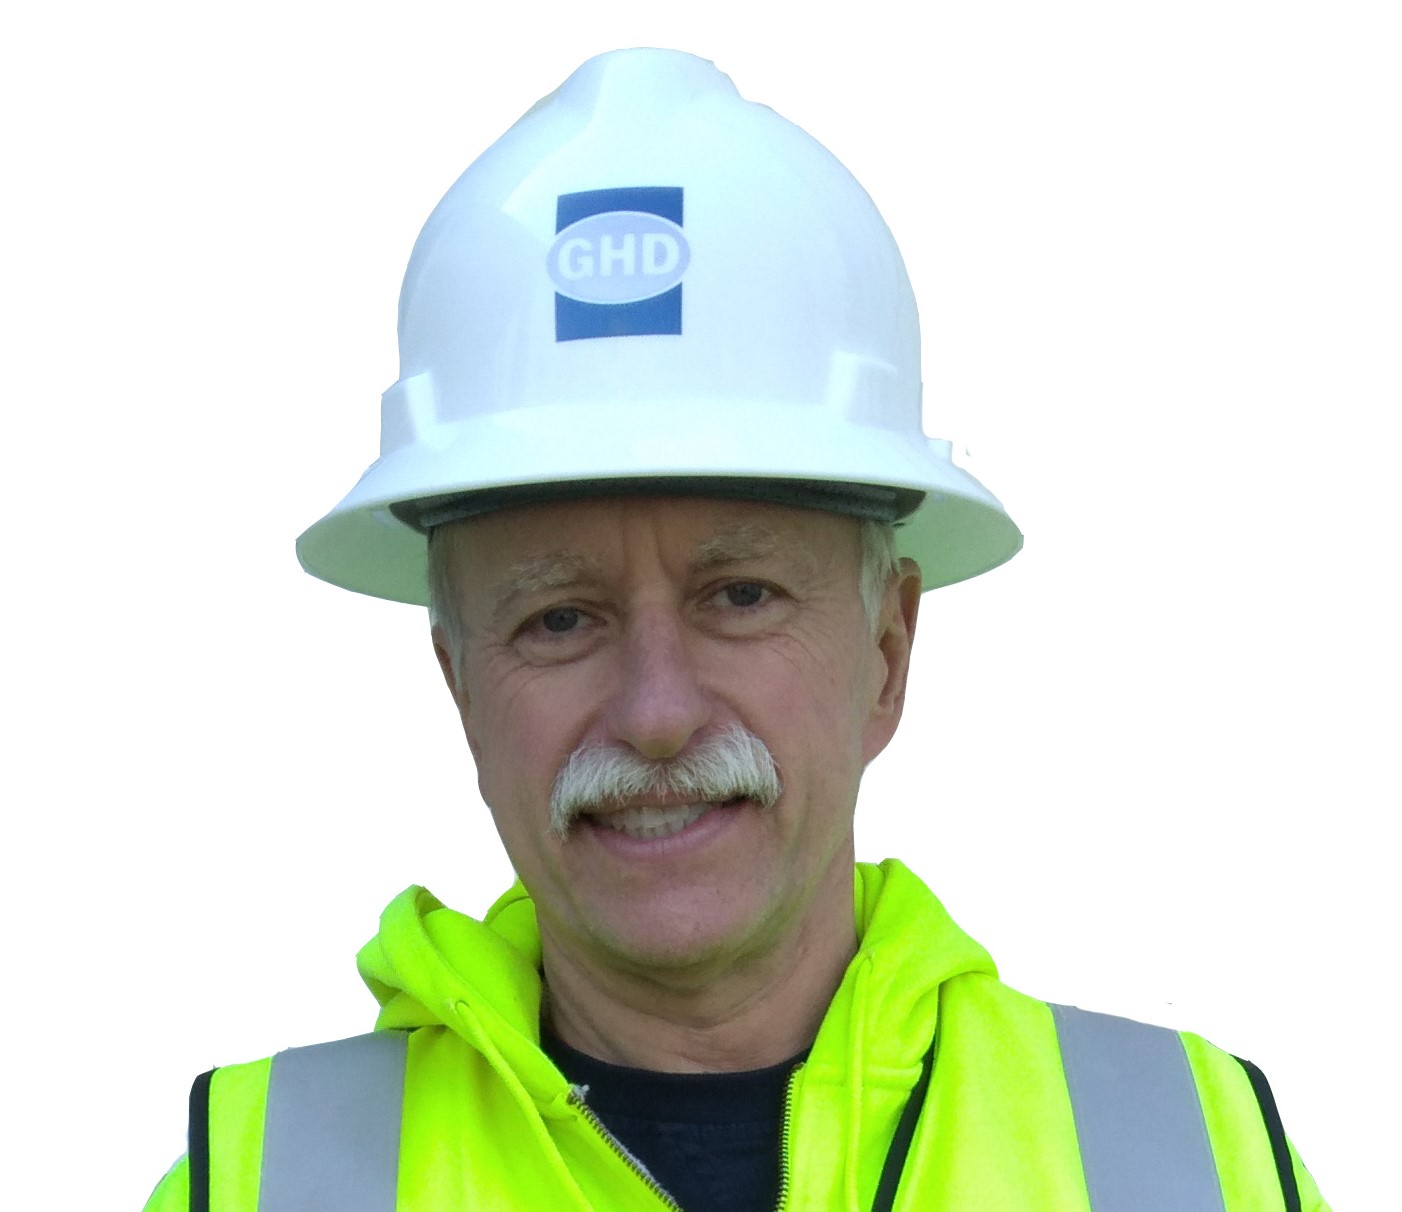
[[745, 593]]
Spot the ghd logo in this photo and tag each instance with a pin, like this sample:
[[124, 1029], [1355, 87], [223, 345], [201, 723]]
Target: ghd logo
[[618, 257], [617, 262]]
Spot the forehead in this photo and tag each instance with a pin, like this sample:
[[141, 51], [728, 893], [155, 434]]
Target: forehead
[[540, 546]]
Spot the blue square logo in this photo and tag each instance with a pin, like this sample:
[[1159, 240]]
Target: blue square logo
[[617, 263]]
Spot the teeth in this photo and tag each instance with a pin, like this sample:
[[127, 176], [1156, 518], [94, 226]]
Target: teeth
[[652, 821]]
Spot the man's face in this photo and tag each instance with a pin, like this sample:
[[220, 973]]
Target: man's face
[[650, 626]]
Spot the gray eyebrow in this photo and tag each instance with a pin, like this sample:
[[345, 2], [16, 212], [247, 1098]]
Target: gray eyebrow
[[737, 541], [536, 573]]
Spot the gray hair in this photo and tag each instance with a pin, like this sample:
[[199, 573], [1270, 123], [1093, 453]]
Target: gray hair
[[879, 564]]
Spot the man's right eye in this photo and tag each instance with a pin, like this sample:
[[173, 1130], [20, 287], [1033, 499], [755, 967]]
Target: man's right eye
[[560, 619]]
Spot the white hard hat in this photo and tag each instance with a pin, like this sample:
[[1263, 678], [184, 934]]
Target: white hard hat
[[649, 284]]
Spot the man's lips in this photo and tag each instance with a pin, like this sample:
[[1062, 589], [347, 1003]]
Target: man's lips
[[656, 820]]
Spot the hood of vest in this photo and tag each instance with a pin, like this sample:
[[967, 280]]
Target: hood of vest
[[432, 966]]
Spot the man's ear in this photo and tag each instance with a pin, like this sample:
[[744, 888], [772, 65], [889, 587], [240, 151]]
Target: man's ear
[[894, 637], [452, 676], [443, 652]]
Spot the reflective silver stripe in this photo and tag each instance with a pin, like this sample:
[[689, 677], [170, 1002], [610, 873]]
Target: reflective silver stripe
[[1144, 1145], [331, 1136]]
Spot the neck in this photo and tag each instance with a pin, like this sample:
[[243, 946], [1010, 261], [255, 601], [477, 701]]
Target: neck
[[730, 1014]]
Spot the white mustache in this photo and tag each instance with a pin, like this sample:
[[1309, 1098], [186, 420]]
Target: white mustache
[[734, 764]]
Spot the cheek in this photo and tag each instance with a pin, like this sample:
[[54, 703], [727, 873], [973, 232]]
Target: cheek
[[831, 682], [514, 762], [522, 725], [811, 713]]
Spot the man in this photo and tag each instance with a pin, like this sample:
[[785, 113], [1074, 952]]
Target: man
[[655, 462]]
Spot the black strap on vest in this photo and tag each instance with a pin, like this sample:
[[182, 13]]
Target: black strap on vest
[[198, 1143], [894, 1164], [1276, 1131]]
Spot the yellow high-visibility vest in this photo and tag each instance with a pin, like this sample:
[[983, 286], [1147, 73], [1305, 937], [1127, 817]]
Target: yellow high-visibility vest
[[1017, 1105]]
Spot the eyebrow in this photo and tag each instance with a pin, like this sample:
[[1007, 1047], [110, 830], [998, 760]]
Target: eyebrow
[[734, 542], [739, 542], [554, 570]]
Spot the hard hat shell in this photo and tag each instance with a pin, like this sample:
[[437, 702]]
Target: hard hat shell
[[651, 283]]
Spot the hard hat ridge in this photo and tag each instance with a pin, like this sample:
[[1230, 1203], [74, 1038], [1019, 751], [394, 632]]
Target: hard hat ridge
[[609, 86], [649, 284]]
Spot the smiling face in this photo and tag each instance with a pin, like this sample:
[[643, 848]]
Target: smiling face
[[653, 631]]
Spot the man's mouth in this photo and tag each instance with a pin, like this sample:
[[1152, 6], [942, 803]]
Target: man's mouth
[[657, 820]]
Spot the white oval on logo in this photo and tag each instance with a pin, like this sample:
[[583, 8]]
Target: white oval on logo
[[619, 256]]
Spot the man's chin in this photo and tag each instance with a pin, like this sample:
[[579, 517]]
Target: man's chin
[[680, 927], [687, 957]]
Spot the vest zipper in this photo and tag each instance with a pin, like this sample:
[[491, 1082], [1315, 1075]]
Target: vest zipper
[[785, 1140], [576, 1100]]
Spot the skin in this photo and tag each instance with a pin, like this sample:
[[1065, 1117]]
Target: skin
[[650, 623]]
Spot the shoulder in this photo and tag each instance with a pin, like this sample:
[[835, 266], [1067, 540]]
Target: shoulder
[[247, 1118], [1117, 1074], [986, 1021]]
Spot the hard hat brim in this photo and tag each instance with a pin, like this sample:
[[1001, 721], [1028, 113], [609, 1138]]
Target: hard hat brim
[[374, 542]]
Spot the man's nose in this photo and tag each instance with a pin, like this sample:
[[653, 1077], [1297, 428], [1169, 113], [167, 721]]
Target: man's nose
[[661, 703]]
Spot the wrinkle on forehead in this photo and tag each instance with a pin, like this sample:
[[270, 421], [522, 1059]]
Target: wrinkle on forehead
[[732, 542]]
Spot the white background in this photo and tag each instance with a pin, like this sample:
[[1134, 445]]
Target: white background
[[1152, 763]]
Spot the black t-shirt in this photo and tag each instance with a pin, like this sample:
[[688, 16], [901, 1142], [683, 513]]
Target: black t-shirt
[[711, 1139]]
